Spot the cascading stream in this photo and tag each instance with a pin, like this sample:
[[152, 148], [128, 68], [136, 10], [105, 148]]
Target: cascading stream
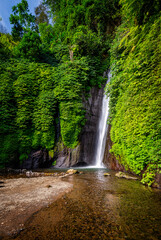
[[102, 129]]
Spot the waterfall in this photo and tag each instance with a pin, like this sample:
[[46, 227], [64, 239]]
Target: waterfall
[[102, 129]]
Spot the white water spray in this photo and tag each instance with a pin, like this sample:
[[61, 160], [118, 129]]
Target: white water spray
[[102, 130]]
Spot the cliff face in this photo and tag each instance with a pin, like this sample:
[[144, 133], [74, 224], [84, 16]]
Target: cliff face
[[66, 157], [110, 160], [84, 153], [89, 134]]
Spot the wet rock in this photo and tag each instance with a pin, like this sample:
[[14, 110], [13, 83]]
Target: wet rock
[[157, 182], [88, 139], [81, 164], [37, 159], [124, 175], [110, 160], [66, 157], [13, 171], [84, 153], [29, 174], [35, 174], [106, 174], [72, 171]]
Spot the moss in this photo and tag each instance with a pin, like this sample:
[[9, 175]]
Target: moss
[[51, 153]]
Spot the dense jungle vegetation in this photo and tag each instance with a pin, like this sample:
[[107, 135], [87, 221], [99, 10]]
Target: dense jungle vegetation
[[47, 68], [135, 89]]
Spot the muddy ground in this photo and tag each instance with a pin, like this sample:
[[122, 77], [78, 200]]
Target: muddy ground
[[20, 198]]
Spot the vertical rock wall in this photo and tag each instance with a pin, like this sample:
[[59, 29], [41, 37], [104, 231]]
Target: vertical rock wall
[[37, 159], [89, 134], [66, 157], [83, 154], [110, 160]]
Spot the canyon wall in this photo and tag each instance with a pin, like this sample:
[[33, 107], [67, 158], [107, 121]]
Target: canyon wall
[[84, 153]]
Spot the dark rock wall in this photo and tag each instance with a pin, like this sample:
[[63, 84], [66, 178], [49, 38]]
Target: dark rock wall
[[37, 159], [157, 182], [84, 152], [66, 157], [89, 133], [110, 160]]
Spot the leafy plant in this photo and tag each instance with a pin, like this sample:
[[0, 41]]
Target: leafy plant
[[135, 92], [21, 19]]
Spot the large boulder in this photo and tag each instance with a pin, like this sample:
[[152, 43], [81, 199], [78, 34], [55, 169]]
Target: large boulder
[[37, 159]]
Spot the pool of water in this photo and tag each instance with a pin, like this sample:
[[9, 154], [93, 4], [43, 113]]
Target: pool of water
[[99, 207]]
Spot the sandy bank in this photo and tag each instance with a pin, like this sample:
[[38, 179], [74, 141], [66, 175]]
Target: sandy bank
[[20, 198]]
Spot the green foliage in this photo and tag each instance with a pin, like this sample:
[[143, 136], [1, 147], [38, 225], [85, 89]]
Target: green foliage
[[85, 42], [96, 14], [8, 140], [9, 150], [25, 99], [45, 111], [135, 94], [85, 26], [21, 19], [48, 52], [27, 109], [6, 46], [139, 12], [45, 76], [71, 122], [29, 47], [41, 14], [72, 80], [149, 175], [46, 33], [54, 163]]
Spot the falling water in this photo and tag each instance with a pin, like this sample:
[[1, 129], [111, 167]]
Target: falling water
[[102, 129]]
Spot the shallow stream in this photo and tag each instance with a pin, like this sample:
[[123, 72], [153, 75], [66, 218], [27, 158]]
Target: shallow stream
[[99, 207]]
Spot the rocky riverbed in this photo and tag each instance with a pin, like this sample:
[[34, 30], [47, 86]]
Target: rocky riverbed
[[21, 197], [103, 204]]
